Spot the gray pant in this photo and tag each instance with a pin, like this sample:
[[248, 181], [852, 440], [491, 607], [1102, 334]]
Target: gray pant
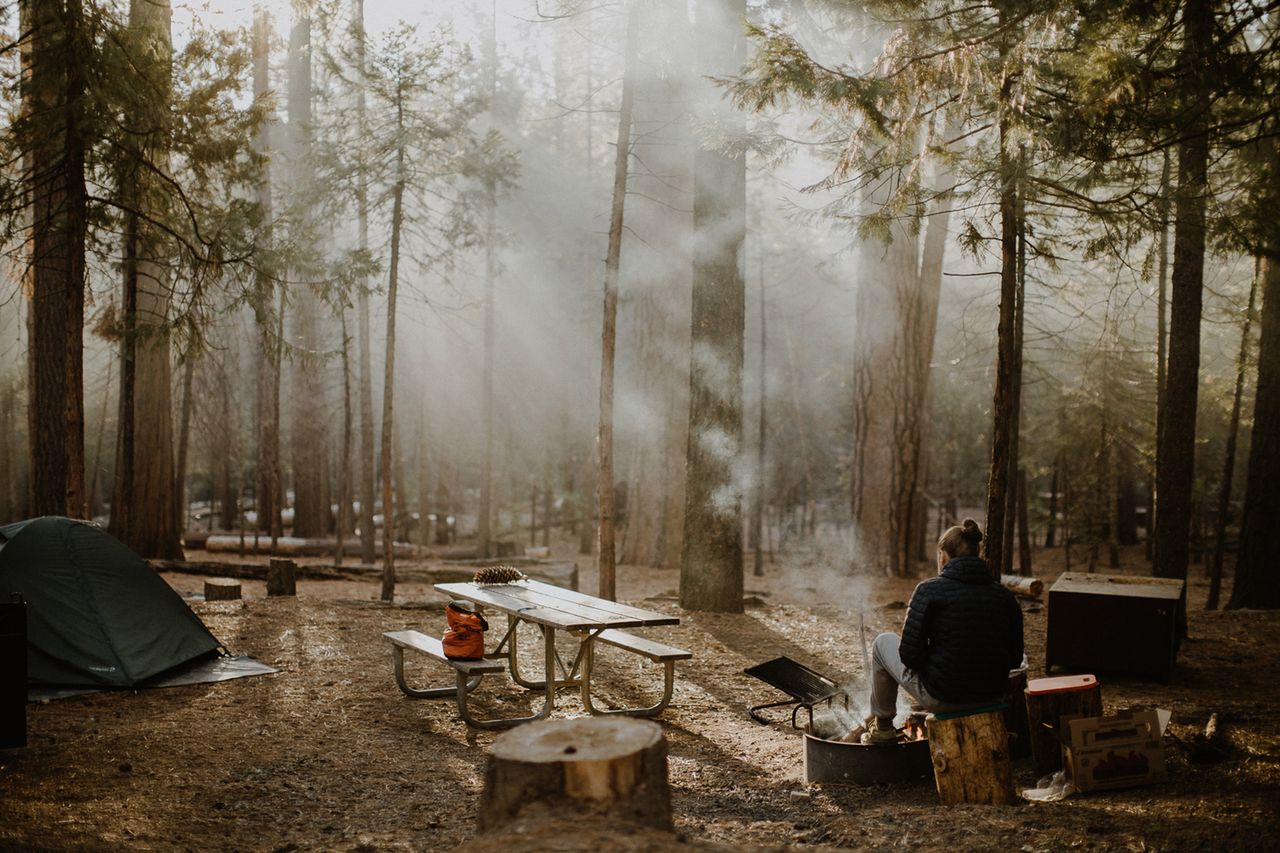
[[888, 673]]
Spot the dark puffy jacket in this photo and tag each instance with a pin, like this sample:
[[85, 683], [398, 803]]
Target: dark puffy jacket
[[963, 633]]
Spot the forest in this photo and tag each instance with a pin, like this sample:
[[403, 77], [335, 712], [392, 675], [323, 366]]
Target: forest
[[735, 305]]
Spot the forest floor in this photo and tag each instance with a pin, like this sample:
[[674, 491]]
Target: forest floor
[[329, 755]]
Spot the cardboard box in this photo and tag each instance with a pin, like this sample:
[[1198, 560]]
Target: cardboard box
[[1120, 751]]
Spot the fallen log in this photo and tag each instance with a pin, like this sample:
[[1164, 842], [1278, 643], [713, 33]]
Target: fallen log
[[293, 546], [1023, 587]]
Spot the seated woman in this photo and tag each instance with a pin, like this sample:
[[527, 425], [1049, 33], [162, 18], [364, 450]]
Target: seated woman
[[961, 637]]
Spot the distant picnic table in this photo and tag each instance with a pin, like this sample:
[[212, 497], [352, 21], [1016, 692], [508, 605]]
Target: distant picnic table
[[550, 608]]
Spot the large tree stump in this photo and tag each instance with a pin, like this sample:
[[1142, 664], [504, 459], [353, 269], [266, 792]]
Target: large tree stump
[[971, 759], [1048, 700], [282, 577], [221, 589], [613, 765]]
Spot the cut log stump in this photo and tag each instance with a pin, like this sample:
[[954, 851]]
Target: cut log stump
[[608, 765], [221, 589], [282, 577], [971, 759], [1048, 700]]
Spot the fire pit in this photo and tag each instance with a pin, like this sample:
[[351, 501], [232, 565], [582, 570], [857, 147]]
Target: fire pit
[[863, 764]]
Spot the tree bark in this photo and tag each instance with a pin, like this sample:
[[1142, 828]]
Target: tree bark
[[54, 165], [312, 515], [711, 562], [608, 337], [1176, 451], [267, 488], [388, 386], [596, 764], [1162, 358], [1255, 581], [1006, 355], [153, 530], [368, 551], [1229, 462]]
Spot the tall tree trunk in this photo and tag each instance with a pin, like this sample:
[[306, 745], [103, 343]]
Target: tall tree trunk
[[487, 402], [54, 161], [608, 336], [711, 563], [1053, 503], [1229, 463], [1015, 391], [267, 499], [1006, 350], [344, 457], [388, 385], [311, 512], [1162, 358], [368, 552], [1176, 451], [1256, 582], [153, 529]]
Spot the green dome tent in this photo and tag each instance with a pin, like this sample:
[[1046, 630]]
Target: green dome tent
[[97, 615]]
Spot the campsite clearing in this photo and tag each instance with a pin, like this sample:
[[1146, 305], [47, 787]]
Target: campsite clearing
[[328, 754]]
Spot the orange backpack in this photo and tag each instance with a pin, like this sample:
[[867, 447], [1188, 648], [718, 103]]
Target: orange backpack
[[464, 639]]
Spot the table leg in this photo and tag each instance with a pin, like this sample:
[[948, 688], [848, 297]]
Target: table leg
[[465, 684], [549, 649], [668, 682]]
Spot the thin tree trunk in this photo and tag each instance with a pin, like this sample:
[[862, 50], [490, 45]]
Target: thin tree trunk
[[608, 337], [757, 508], [344, 458], [95, 475], [1053, 503], [368, 550], [1024, 532], [1162, 358], [1255, 580], [266, 495], [388, 386], [184, 440], [1006, 355], [1015, 390], [120, 525], [1229, 463]]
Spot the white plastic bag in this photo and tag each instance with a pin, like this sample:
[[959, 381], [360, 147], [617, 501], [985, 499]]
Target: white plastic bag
[[1051, 789]]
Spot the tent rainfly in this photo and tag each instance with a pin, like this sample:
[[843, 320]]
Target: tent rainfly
[[97, 615]]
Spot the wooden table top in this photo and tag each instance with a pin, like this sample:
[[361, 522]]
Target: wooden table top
[[554, 606]]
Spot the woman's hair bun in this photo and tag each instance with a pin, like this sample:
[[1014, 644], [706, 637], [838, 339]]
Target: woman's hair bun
[[970, 531]]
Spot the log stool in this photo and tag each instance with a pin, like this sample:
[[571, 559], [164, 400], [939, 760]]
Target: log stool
[[221, 589], [611, 765], [1048, 700], [970, 752]]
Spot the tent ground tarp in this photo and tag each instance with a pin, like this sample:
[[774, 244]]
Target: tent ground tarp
[[97, 615], [203, 671]]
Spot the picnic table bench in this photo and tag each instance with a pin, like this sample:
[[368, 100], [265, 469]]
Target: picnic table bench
[[549, 608]]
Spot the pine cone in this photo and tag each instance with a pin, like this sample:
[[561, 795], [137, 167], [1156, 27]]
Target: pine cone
[[498, 574]]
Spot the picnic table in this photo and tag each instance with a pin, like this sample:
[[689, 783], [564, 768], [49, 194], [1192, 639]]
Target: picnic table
[[550, 609]]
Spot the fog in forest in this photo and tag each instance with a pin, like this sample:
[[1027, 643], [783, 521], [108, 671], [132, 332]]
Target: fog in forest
[[533, 92]]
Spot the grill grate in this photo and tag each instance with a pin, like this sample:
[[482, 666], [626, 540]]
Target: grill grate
[[805, 686]]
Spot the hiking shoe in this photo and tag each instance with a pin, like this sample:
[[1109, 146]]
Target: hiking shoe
[[882, 733]]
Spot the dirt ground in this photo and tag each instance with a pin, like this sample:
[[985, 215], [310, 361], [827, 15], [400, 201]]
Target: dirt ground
[[329, 755]]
